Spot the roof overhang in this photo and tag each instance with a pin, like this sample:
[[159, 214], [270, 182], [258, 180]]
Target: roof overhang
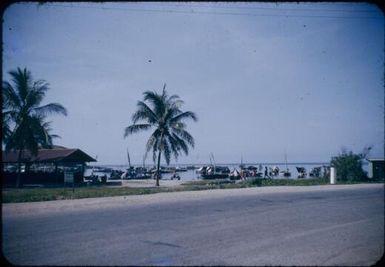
[[56, 155]]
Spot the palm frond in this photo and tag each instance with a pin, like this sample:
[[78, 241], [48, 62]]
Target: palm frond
[[40, 130], [174, 145], [152, 143], [144, 112], [180, 144], [157, 101], [184, 135], [22, 80], [10, 97], [51, 108], [174, 98], [153, 98], [178, 125], [170, 112], [136, 128], [36, 93], [183, 116]]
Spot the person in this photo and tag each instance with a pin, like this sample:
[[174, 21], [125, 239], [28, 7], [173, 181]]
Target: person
[[175, 176], [265, 171], [241, 173]]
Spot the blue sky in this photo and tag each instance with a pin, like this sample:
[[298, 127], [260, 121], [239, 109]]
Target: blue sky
[[263, 78]]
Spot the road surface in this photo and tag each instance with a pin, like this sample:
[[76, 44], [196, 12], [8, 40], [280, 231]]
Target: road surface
[[318, 225]]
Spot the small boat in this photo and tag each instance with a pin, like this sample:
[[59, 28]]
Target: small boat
[[315, 172], [163, 170], [136, 173], [181, 169], [216, 172], [201, 170], [301, 172], [285, 173], [251, 171], [234, 175]]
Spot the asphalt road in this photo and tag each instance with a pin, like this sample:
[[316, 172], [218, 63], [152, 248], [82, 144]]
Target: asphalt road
[[317, 227]]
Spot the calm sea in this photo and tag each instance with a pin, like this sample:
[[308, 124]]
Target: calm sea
[[192, 175]]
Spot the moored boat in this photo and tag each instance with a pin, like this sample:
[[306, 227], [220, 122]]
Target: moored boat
[[301, 172], [215, 172]]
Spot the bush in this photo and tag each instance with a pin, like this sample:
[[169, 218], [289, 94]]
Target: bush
[[349, 166]]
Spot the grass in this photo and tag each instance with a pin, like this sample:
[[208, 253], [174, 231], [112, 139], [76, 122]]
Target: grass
[[44, 194], [13, 195]]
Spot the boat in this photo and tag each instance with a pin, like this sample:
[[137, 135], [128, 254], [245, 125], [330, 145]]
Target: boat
[[301, 172], [163, 170], [252, 171], [234, 175], [181, 169], [201, 170], [136, 173], [315, 172], [216, 172], [285, 173]]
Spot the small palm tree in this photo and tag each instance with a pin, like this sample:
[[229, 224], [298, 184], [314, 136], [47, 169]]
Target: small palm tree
[[163, 114], [24, 117]]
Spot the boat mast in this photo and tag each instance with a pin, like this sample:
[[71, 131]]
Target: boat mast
[[286, 161], [128, 158], [144, 158], [213, 160]]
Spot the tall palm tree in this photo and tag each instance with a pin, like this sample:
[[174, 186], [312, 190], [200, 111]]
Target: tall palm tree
[[24, 116], [163, 115]]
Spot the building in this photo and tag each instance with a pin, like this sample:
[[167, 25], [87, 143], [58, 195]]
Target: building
[[376, 168], [47, 167]]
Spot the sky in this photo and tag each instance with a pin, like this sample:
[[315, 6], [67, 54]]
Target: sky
[[265, 79]]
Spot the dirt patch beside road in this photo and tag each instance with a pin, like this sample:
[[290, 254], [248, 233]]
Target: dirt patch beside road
[[151, 183]]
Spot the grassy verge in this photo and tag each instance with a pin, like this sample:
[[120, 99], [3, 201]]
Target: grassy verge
[[12, 195], [45, 194]]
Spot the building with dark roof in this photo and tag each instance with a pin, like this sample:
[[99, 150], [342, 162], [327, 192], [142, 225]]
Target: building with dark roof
[[48, 166], [376, 168]]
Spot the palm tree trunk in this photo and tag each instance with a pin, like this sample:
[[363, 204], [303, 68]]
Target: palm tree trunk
[[158, 169], [18, 178], [160, 152]]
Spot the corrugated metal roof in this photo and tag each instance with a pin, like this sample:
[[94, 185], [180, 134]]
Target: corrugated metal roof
[[48, 155], [376, 159]]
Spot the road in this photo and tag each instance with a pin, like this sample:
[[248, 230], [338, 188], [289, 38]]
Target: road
[[322, 225]]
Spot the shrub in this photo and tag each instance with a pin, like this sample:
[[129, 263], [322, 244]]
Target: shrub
[[349, 166]]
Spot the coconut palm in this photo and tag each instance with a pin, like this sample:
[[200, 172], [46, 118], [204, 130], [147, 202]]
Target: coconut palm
[[163, 115], [24, 116]]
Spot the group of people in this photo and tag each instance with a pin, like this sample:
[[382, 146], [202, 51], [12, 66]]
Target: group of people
[[271, 172]]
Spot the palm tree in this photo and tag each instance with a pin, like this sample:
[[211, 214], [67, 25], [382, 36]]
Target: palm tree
[[24, 117], [163, 114]]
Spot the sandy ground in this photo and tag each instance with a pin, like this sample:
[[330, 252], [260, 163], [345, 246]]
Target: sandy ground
[[60, 206], [151, 183]]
